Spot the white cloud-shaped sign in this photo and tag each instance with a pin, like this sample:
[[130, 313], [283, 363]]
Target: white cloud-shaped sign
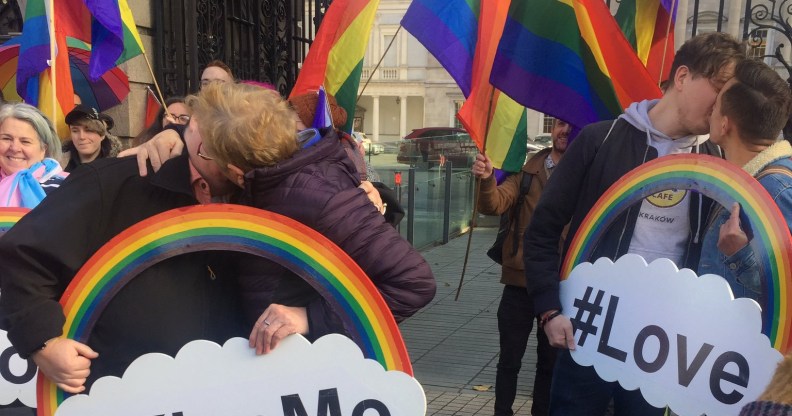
[[682, 339], [297, 378], [17, 376]]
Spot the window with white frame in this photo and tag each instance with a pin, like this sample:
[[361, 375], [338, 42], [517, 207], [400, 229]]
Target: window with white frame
[[757, 44], [547, 124], [391, 59], [457, 107]]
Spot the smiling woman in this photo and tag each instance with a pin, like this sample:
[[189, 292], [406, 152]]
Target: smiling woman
[[28, 151], [90, 136]]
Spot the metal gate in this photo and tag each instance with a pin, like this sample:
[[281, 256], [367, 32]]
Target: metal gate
[[261, 40]]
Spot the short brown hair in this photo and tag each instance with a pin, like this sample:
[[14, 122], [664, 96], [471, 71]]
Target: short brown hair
[[222, 65], [758, 102], [706, 54], [95, 126], [244, 125]]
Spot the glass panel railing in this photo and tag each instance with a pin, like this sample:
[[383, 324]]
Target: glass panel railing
[[433, 216]]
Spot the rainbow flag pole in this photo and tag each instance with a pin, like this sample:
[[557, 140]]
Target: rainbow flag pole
[[371, 74]]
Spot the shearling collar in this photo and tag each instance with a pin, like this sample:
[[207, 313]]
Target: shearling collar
[[778, 150]]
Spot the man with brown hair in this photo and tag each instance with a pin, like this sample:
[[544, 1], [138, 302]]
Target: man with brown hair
[[746, 123], [216, 71], [517, 197], [601, 154]]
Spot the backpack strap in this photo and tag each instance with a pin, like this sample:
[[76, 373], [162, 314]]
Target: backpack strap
[[525, 186]]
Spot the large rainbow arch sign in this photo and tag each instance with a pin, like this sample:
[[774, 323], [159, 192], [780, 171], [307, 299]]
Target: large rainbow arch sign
[[237, 228], [726, 184]]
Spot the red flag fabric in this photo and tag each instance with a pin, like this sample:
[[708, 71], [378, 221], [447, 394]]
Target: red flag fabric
[[153, 107]]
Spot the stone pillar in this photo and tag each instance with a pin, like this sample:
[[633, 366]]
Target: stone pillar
[[736, 12], [403, 117], [680, 26], [375, 118]]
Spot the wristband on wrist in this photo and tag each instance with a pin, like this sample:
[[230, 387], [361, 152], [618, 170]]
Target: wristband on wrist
[[548, 317]]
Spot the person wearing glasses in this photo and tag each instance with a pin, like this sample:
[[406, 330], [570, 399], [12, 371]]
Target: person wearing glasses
[[89, 137], [196, 295], [254, 141], [177, 114], [178, 300], [216, 71]]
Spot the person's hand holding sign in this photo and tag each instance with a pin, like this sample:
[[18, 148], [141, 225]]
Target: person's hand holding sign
[[276, 323], [66, 362], [558, 329], [732, 237]]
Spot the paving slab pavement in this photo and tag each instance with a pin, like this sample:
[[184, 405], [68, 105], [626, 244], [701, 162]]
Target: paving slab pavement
[[453, 345]]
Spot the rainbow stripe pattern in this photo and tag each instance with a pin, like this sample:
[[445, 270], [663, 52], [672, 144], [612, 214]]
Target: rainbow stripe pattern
[[9, 217], [335, 58], [649, 27], [447, 29], [463, 35], [501, 136], [231, 227], [569, 59], [35, 76], [726, 184], [114, 35]]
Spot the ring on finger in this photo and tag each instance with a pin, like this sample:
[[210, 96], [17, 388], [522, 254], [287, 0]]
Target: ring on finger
[[266, 323]]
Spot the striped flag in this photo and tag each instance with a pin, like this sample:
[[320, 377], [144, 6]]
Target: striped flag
[[569, 59], [335, 59], [492, 119], [34, 74], [447, 29], [649, 27], [462, 35], [114, 36]]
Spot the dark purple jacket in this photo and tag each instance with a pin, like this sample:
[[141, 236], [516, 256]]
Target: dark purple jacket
[[318, 187]]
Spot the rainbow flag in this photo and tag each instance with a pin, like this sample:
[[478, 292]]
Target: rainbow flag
[[569, 59], [494, 121], [335, 59], [114, 36], [649, 27], [447, 29], [34, 74]]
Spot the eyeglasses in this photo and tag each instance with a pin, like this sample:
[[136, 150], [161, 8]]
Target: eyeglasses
[[181, 118], [201, 155], [207, 81]]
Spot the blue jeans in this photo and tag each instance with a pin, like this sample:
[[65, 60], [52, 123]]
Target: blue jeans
[[515, 322], [579, 391]]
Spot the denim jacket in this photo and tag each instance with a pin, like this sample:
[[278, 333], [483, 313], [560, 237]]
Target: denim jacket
[[742, 269]]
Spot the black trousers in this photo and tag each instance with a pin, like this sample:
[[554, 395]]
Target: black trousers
[[515, 322]]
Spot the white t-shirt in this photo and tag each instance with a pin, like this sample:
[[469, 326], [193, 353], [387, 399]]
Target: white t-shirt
[[663, 226]]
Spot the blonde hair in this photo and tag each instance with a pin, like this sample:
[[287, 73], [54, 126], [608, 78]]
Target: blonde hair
[[245, 125]]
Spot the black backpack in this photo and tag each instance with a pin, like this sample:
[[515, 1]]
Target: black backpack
[[496, 251]]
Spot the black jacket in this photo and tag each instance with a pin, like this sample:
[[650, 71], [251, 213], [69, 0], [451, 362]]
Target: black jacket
[[187, 297], [589, 167]]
